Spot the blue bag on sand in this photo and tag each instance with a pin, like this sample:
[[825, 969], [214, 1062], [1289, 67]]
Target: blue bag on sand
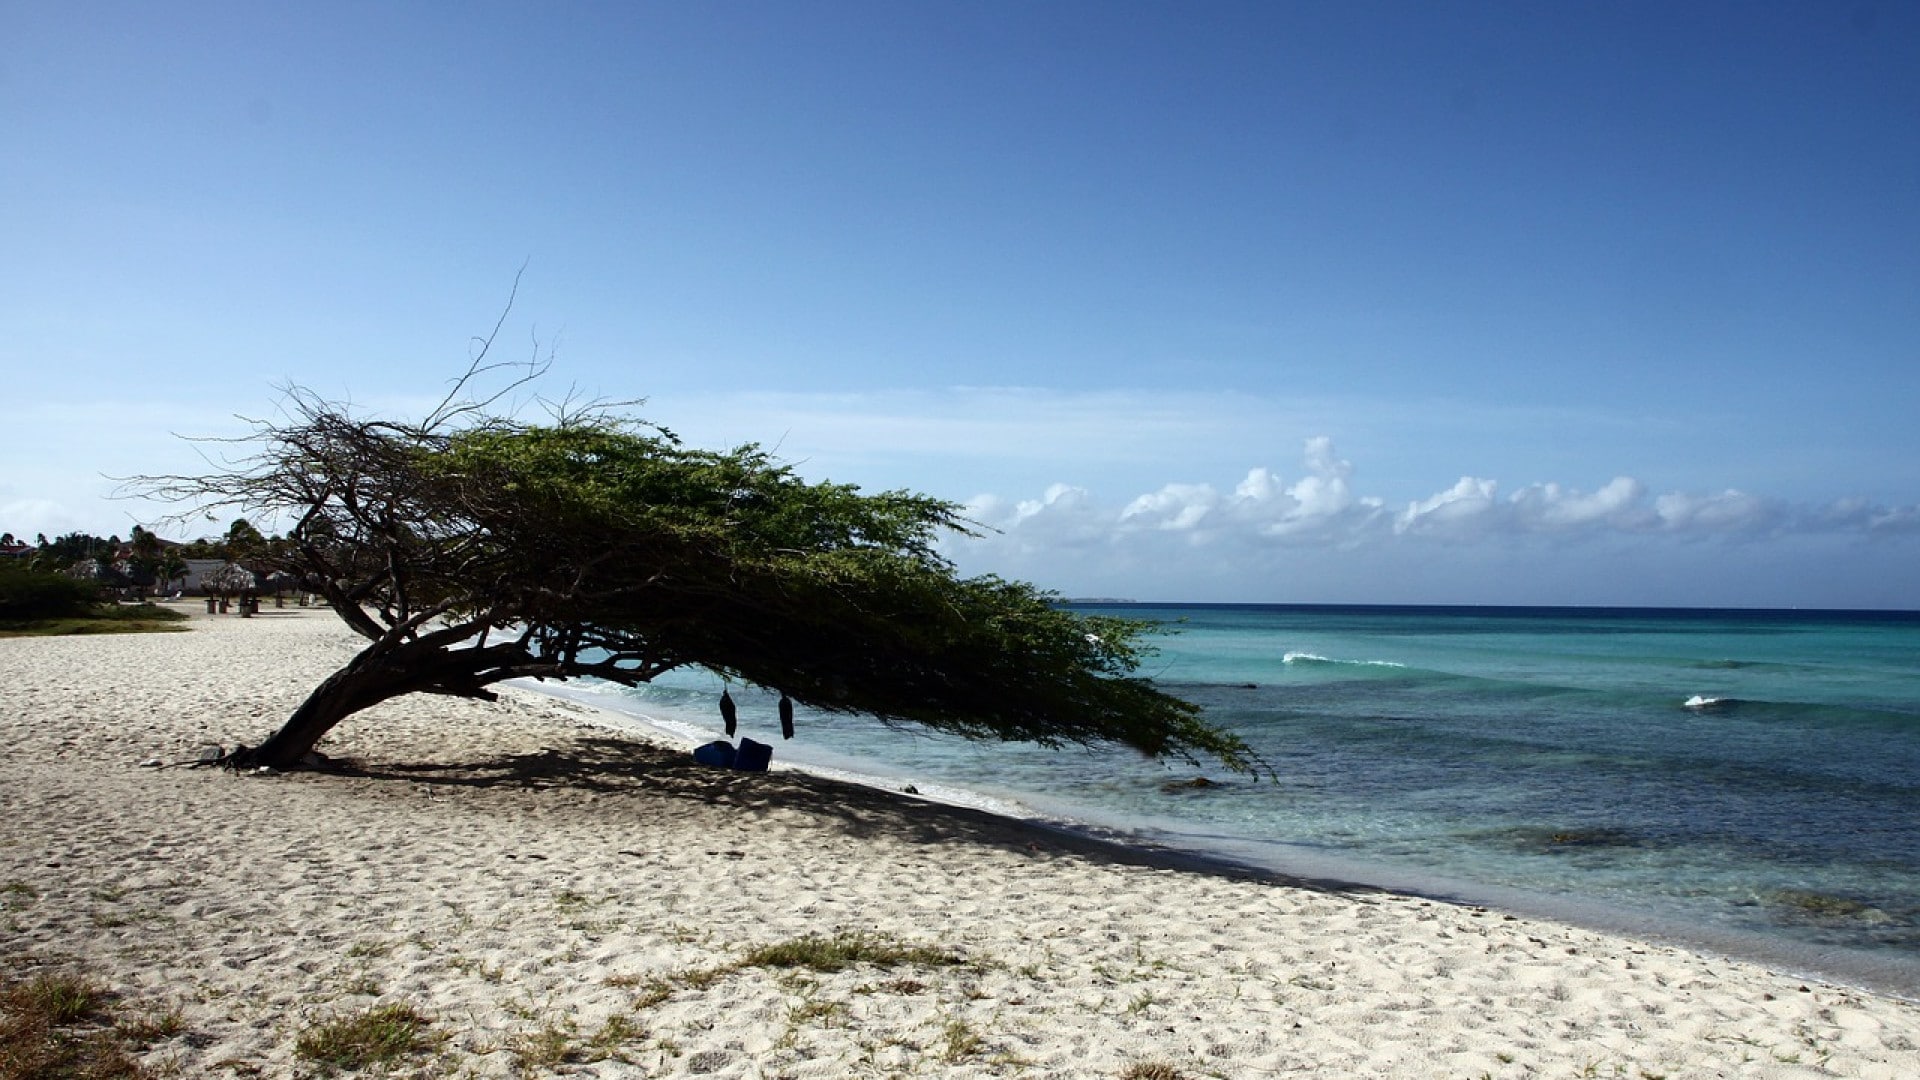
[[753, 756], [720, 755]]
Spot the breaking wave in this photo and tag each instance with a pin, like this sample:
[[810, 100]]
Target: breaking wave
[[1314, 658]]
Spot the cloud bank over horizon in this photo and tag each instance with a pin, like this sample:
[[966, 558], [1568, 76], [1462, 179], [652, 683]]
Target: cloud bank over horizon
[[1321, 508], [1142, 495], [1267, 519]]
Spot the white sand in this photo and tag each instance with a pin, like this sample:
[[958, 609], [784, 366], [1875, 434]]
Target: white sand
[[521, 877]]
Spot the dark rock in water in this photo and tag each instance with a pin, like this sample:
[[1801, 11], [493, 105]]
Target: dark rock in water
[[1551, 841], [1613, 838], [1249, 686], [1828, 907], [1198, 783], [909, 790]]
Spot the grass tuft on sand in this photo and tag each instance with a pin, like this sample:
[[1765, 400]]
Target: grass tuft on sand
[[382, 1034], [59, 1026], [816, 952]]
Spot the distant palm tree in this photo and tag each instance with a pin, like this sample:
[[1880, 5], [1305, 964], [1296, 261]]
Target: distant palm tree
[[172, 568]]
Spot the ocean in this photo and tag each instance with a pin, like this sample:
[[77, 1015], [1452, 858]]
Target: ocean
[[1745, 782]]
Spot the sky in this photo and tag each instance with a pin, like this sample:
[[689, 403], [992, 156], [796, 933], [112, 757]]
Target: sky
[[1351, 302]]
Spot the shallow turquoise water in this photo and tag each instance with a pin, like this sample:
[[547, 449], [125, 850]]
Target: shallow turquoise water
[[1749, 780]]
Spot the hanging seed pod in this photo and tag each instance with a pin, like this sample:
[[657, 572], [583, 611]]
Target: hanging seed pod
[[786, 717], [728, 713]]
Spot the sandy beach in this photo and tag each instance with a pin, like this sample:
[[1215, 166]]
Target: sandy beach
[[559, 900]]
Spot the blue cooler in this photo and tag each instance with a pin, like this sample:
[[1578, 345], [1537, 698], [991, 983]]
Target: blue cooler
[[720, 755], [752, 756]]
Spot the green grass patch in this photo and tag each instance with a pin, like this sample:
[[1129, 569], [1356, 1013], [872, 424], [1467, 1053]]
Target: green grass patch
[[543, 1051], [154, 1026], [959, 1041], [539, 1053], [101, 619], [379, 1035], [614, 1036], [60, 1027], [815, 952]]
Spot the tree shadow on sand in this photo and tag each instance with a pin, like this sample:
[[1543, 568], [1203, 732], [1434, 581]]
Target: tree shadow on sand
[[615, 767]]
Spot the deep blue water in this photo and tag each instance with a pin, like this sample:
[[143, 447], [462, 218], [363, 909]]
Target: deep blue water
[[1744, 780]]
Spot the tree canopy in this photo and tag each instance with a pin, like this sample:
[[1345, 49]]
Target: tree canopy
[[472, 547]]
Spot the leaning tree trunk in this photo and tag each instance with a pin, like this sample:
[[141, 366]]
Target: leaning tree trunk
[[339, 696], [386, 670], [336, 698]]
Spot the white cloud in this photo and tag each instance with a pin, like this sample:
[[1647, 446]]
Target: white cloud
[[1064, 517], [1321, 509], [1729, 512], [1320, 505], [1466, 507], [1620, 504], [1893, 520], [1175, 507]]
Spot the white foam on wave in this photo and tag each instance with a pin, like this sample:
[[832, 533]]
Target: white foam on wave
[[1701, 701], [1316, 658]]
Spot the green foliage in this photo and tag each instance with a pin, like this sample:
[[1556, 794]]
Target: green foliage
[[836, 597], [243, 541], [34, 594], [594, 545], [63, 551], [98, 619], [170, 567]]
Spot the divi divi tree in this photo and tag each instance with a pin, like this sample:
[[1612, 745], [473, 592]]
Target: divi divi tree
[[470, 547]]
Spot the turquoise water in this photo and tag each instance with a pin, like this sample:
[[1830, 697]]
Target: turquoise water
[[1748, 781]]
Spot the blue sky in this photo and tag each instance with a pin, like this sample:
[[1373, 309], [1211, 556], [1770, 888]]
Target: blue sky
[[1578, 303]]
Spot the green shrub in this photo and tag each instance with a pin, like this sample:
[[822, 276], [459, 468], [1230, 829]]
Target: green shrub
[[30, 594]]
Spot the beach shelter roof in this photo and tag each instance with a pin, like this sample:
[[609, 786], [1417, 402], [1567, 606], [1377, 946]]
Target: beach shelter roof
[[231, 578]]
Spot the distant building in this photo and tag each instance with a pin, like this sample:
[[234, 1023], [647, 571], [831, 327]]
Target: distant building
[[197, 571]]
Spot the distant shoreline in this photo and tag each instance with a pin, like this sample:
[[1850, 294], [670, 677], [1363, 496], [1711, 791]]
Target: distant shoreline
[[1902, 615]]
